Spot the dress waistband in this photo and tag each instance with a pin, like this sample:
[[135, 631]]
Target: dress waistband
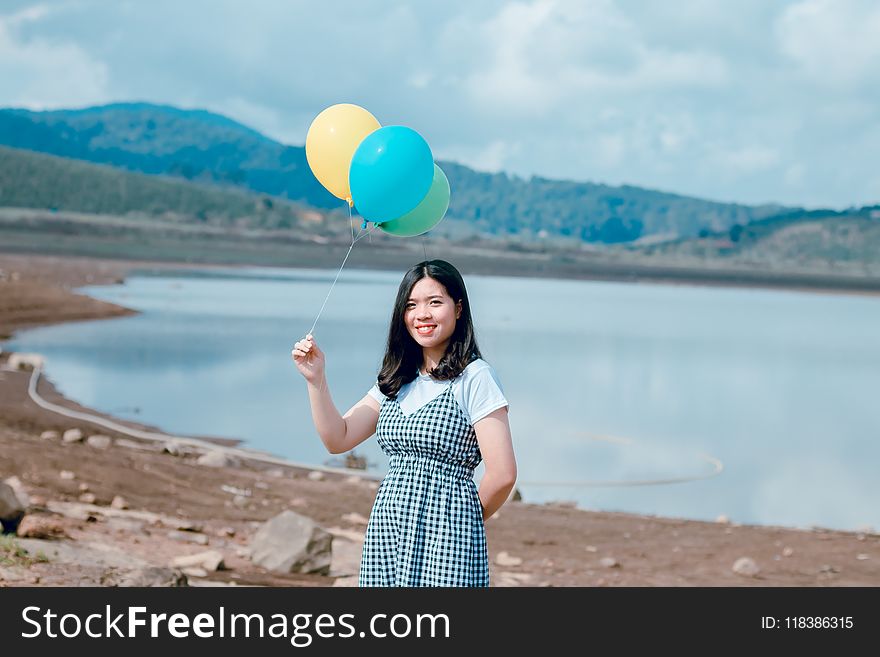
[[446, 467]]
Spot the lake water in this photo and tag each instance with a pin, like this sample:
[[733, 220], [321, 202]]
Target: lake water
[[610, 384]]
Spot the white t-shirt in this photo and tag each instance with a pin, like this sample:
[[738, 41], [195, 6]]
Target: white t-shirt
[[477, 390]]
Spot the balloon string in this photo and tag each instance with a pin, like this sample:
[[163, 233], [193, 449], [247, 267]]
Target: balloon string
[[361, 234], [425, 245]]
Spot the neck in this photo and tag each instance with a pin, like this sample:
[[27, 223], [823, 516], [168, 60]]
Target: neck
[[431, 357]]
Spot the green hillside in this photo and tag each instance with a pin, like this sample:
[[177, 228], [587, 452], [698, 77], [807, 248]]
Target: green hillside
[[35, 180]]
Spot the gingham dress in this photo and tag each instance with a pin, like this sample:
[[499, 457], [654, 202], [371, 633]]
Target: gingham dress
[[426, 527]]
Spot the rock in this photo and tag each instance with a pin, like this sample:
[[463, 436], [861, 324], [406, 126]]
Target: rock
[[211, 560], [591, 548], [746, 566], [515, 495], [83, 487], [134, 444], [863, 557], [292, 543], [66, 474], [262, 485], [119, 502], [25, 362], [145, 576], [38, 501], [226, 531], [240, 501], [609, 562], [49, 435], [72, 436], [13, 574], [723, 519], [194, 572], [504, 559], [214, 459], [87, 498], [507, 579], [275, 472], [298, 502], [188, 537], [18, 488], [316, 475], [234, 490], [355, 518], [32, 526], [828, 569], [787, 552], [99, 441], [11, 508]]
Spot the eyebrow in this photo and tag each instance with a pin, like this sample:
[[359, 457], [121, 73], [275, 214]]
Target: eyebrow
[[433, 296]]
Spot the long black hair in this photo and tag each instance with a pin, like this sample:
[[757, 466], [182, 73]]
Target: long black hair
[[403, 355]]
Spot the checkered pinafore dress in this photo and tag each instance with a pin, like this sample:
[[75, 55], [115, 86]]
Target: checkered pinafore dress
[[426, 527]]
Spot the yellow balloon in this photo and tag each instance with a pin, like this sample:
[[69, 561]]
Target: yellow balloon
[[331, 142]]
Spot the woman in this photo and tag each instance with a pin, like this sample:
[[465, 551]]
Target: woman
[[437, 409]]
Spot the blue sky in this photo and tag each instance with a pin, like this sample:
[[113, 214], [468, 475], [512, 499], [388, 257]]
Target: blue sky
[[737, 100]]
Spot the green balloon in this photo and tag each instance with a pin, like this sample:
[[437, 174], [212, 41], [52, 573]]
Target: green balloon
[[426, 214]]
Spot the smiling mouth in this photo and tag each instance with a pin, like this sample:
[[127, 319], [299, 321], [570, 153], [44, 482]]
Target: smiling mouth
[[426, 329]]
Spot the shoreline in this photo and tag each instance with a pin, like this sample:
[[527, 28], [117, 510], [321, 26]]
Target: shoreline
[[557, 545]]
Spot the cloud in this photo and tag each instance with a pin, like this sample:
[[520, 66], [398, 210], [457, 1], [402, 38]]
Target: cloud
[[752, 103], [834, 43], [38, 73]]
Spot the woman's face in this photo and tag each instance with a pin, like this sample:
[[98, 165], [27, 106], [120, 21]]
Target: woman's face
[[430, 306]]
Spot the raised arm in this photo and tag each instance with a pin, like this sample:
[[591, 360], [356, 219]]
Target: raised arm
[[338, 433]]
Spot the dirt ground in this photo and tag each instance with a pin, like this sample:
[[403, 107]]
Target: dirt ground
[[178, 507]]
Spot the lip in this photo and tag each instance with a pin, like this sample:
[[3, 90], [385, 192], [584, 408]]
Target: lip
[[433, 326]]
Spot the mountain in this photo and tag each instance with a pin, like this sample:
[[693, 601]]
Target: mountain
[[37, 180], [202, 146]]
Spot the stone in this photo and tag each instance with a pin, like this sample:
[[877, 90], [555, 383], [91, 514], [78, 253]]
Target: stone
[[11, 508], [66, 474], [507, 560], [515, 495], [25, 362], [210, 560], [193, 571], [292, 543], [99, 441], [275, 472], [32, 526], [72, 436], [87, 498], [316, 475], [152, 576], [746, 566], [119, 502], [49, 435], [240, 501], [609, 562], [355, 518], [188, 537], [722, 519], [19, 490], [787, 551], [214, 459], [863, 557], [591, 548]]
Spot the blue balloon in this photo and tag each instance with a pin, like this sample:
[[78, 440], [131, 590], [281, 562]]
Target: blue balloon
[[390, 173]]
